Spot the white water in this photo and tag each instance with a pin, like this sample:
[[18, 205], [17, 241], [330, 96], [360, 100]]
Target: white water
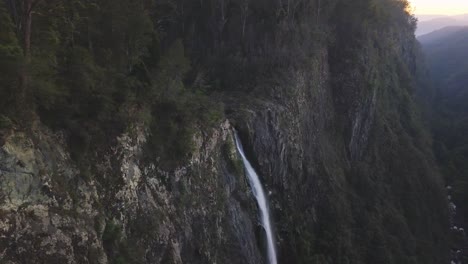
[[257, 189]]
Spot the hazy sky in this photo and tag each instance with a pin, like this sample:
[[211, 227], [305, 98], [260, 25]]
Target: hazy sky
[[443, 7]]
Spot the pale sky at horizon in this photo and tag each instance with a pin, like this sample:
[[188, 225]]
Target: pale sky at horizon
[[439, 7]]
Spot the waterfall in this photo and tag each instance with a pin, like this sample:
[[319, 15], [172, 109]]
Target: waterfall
[[257, 190]]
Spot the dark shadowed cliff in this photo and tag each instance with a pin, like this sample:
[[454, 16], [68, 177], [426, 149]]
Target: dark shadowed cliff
[[117, 143], [446, 54]]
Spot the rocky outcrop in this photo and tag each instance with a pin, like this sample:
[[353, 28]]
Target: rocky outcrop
[[42, 218], [130, 209]]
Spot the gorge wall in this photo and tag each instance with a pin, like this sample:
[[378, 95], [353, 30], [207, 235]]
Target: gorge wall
[[322, 95]]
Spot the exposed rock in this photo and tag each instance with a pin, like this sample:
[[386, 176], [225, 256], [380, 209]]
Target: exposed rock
[[48, 213], [40, 222]]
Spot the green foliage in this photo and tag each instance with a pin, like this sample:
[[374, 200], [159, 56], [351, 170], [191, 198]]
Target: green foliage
[[10, 61], [171, 71], [9, 46], [5, 122], [112, 234], [171, 135], [97, 67], [234, 163], [174, 122], [177, 110], [117, 247]]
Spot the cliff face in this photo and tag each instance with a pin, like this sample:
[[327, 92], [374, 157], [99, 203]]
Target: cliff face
[[346, 155], [324, 106], [40, 218], [202, 212], [350, 176]]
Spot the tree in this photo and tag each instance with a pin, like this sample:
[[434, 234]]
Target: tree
[[26, 29], [10, 58]]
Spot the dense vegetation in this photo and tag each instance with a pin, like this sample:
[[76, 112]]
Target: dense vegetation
[[90, 66], [374, 57], [95, 68]]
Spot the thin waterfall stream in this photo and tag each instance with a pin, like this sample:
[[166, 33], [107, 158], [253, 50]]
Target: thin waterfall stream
[[262, 202]]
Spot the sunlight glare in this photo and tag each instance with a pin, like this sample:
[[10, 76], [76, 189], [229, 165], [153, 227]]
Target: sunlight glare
[[439, 7]]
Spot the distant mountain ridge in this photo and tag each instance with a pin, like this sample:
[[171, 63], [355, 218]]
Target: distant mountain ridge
[[441, 34], [422, 18], [446, 52], [430, 23]]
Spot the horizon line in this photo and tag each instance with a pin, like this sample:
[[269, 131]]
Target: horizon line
[[434, 14]]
